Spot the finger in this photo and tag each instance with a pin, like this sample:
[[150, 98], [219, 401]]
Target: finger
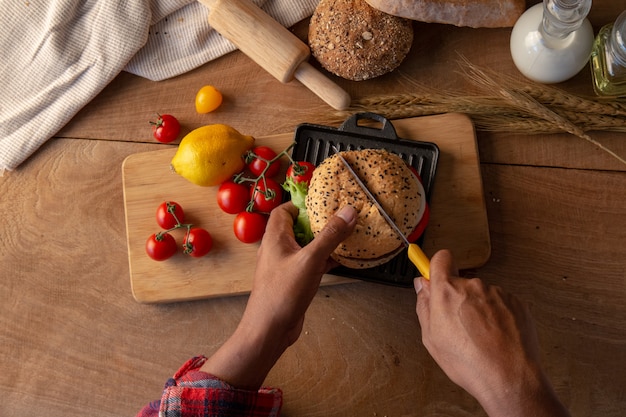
[[279, 236], [417, 283], [442, 267], [422, 290], [281, 220], [338, 228], [422, 305]]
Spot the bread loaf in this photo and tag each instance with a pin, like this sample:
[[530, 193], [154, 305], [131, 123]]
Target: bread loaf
[[355, 41], [472, 13]]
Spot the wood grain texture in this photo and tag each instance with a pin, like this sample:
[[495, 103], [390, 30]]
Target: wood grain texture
[[257, 103], [459, 219], [74, 342], [556, 235]]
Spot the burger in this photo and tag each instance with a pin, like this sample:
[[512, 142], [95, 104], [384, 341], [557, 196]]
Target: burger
[[393, 184]]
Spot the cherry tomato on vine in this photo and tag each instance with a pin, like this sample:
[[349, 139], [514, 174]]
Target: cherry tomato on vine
[[249, 227], [164, 216], [166, 128], [257, 165], [233, 198], [421, 226], [208, 99], [160, 246], [198, 242], [266, 196], [302, 172]]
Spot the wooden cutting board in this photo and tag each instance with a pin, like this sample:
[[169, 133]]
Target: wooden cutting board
[[458, 216]]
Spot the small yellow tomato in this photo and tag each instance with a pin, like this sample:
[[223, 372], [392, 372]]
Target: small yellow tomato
[[208, 99]]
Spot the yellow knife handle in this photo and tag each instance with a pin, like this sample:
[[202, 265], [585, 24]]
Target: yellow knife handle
[[420, 260]]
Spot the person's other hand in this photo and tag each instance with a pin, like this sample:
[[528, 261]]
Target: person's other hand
[[484, 339], [286, 279], [287, 276]]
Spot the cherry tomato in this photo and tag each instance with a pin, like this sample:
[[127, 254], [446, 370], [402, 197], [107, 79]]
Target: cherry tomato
[[233, 198], [302, 172], [166, 128], [266, 196], [257, 165], [164, 216], [208, 99], [198, 242], [160, 246], [421, 226], [249, 227]]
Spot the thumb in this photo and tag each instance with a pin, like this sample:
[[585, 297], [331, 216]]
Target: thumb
[[338, 228], [442, 266]]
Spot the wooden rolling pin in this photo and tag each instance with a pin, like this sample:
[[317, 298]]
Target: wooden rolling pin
[[272, 46]]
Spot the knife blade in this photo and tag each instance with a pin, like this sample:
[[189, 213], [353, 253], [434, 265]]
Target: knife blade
[[414, 252]]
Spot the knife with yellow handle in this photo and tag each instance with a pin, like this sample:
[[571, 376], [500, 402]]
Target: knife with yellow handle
[[415, 253]]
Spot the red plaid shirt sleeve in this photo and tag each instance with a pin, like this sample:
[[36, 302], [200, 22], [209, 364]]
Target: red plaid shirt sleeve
[[193, 393]]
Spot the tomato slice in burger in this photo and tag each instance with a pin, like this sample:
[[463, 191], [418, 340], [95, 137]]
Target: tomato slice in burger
[[421, 226]]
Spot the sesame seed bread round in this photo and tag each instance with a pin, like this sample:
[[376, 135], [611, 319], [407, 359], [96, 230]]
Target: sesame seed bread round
[[355, 41], [386, 175]]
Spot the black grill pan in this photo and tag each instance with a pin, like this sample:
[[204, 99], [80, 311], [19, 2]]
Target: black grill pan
[[313, 143]]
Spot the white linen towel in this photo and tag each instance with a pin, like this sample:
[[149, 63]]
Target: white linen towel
[[181, 39], [59, 54]]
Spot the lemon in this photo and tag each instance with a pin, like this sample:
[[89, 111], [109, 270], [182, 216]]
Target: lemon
[[209, 155]]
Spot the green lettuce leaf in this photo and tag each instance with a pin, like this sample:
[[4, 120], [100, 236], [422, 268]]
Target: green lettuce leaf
[[302, 226]]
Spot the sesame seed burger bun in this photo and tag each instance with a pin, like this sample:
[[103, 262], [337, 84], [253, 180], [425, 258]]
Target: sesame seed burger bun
[[386, 175]]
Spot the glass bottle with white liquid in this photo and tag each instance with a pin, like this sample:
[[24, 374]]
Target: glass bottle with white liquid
[[608, 59], [551, 42]]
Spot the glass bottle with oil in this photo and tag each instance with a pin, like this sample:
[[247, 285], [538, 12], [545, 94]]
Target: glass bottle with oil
[[608, 59]]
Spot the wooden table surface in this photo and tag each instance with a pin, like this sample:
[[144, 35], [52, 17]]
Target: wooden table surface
[[74, 342]]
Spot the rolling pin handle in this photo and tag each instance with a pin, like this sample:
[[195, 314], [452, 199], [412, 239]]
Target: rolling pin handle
[[208, 3], [322, 86]]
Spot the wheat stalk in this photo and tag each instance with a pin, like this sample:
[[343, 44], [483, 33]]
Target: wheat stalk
[[419, 104], [414, 104], [527, 103], [592, 121], [523, 101], [552, 97], [547, 95], [528, 125], [516, 107]]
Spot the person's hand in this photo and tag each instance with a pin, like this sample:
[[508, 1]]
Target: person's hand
[[286, 279], [287, 276], [484, 339]]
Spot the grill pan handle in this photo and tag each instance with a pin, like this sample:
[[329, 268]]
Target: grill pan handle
[[351, 125]]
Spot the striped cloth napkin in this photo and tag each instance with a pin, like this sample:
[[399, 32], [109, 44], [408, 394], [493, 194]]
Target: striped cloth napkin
[[58, 55]]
